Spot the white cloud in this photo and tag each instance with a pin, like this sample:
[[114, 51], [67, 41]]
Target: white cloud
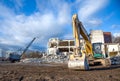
[[87, 11], [116, 34], [18, 4], [78, 1], [5, 12], [114, 26], [51, 20], [89, 7], [68, 36], [109, 16], [34, 25], [116, 29], [95, 22], [20, 29]]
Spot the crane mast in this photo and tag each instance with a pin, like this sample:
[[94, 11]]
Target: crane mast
[[27, 47]]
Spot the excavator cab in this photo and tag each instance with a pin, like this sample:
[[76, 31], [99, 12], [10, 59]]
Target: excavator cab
[[97, 50]]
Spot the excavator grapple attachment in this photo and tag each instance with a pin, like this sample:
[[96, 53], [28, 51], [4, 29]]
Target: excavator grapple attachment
[[78, 63]]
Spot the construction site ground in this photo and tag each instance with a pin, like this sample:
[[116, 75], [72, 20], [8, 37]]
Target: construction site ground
[[56, 72]]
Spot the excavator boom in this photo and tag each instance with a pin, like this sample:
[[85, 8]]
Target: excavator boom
[[78, 59]]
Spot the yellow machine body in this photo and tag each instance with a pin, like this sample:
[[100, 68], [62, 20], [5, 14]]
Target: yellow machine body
[[78, 59]]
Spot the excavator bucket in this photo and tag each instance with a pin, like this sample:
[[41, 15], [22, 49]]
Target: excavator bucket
[[78, 63]]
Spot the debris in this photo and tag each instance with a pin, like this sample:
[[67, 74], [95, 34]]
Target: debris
[[47, 59], [31, 60], [62, 58], [115, 60]]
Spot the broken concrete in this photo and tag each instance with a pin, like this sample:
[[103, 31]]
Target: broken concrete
[[47, 59], [115, 60]]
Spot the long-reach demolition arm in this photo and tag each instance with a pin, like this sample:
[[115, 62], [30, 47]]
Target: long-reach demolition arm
[[28, 46], [16, 57], [78, 59]]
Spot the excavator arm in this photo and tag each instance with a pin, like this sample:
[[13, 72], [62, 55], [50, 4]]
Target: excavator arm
[[78, 29], [84, 34], [78, 59]]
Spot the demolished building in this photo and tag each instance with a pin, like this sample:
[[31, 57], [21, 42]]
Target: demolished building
[[57, 46]]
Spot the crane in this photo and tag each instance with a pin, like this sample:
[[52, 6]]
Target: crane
[[24, 51], [16, 57]]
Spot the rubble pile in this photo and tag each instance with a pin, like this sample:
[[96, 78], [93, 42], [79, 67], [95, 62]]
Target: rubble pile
[[31, 60], [55, 59], [115, 60], [47, 59], [61, 59]]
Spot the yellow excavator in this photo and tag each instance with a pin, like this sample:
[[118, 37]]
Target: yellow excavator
[[83, 52]]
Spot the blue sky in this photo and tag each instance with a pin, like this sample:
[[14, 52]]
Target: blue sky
[[21, 20]]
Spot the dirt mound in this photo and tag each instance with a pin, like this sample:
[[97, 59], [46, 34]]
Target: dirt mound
[[20, 72]]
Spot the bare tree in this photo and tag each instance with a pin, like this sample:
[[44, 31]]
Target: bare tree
[[116, 39]]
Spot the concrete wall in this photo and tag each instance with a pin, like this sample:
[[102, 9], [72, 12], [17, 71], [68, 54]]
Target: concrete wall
[[56, 46], [113, 49], [110, 49], [97, 36]]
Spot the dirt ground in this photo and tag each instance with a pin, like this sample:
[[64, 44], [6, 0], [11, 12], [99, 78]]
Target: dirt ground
[[60, 72]]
